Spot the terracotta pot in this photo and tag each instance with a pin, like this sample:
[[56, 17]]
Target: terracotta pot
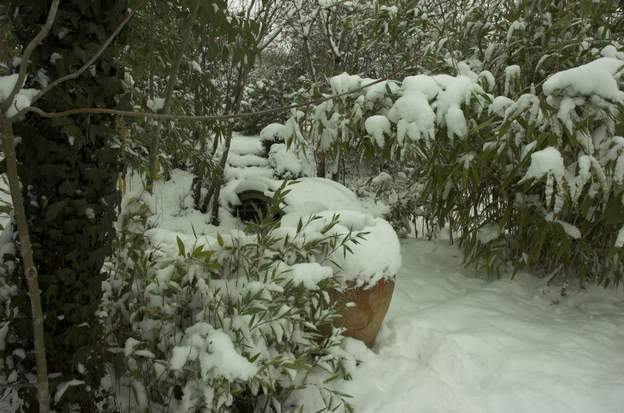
[[364, 320]]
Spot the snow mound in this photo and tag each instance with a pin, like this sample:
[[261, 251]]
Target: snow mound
[[310, 195], [376, 256], [275, 131]]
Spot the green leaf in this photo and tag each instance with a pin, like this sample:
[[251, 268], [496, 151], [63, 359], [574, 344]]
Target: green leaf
[[54, 210], [181, 248]]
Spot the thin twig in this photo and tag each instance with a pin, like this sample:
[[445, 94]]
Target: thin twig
[[173, 116], [28, 52], [84, 67]]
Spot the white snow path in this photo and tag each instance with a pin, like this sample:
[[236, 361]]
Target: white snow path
[[452, 342]]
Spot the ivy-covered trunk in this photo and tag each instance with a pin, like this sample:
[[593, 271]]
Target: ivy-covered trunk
[[68, 169]]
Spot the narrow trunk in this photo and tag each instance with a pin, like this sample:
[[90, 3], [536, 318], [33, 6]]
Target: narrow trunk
[[30, 270], [218, 182]]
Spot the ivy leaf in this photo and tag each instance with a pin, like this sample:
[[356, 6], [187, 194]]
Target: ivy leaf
[[54, 210]]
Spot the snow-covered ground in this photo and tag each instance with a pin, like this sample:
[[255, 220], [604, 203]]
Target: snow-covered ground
[[454, 342]]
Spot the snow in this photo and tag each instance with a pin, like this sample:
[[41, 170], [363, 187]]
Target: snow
[[310, 195], [488, 233], [488, 77], [619, 241], [453, 342], [309, 274], [242, 161], [518, 25], [155, 104], [548, 161], [55, 56], [7, 83], [571, 230], [377, 256], [381, 178], [284, 162], [378, 91], [455, 92], [392, 10], [500, 104], [246, 145], [421, 83], [413, 116], [376, 126], [275, 131], [512, 73], [594, 78], [215, 352], [196, 66], [4, 330], [130, 346], [23, 98], [62, 388], [344, 82]]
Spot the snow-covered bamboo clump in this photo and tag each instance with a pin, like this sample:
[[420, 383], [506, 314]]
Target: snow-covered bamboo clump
[[209, 323], [544, 164]]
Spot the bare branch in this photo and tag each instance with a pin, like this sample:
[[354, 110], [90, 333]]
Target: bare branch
[[21, 78], [173, 116]]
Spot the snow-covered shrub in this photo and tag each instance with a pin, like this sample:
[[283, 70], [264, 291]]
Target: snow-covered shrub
[[228, 324]]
